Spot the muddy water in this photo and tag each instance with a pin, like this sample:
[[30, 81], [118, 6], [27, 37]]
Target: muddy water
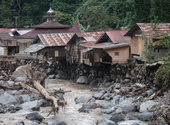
[[71, 115]]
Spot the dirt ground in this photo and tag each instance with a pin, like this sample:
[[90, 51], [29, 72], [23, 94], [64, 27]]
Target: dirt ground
[[71, 114]]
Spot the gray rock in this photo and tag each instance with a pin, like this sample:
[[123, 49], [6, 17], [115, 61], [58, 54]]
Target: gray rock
[[58, 123], [7, 99], [145, 106], [62, 75], [125, 102], [140, 98], [150, 92], [125, 89], [94, 83], [83, 99], [42, 102], [33, 123], [117, 86], [132, 122], [106, 122], [127, 80], [119, 110], [116, 99], [89, 106], [10, 83], [90, 79], [20, 123], [82, 80], [34, 116], [129, 108], [109, 105], [1, 91], [145, 116], [98, 95], [25, 98], [108, 111], [116, 117], [29, 105], [21, 79]]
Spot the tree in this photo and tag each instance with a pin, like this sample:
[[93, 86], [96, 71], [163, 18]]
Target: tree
[[63, 18]]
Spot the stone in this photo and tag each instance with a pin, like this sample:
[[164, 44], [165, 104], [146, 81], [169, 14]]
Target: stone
[[81, 80], [89, 106], [33, 123], [90, 78], [21, 79], [7, 99], [125, 102], [132, 122], [34, 116], [116, 99], [145, 116], [116, 117], [1, 91], [82, 99], [29, 105], [140, 85], [125, 89], [145, 106], [61, 75], [10, 83], [25, 98], [36, 108], [150, 92], [85, 110], [20, 123], [106, 122], [108, 111], [109, 105], [140, 98], [51, 77], [129, 108], [98, 95], [117, 86], [119, 110], [58, 123], [94, 83], [126, 80]]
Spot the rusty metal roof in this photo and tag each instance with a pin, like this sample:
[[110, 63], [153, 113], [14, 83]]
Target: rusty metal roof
[[34, 48], [76, 27], [6, 30], [57, 39], [151, 30], [117, 36], [91, 36]]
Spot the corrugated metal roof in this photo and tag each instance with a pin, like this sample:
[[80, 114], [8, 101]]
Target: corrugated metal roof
[[151, 30], [95, 35], [34, 48], [117, 36], [86, 44], [22, 32], [86, 50], [5, 30], [60, 39]]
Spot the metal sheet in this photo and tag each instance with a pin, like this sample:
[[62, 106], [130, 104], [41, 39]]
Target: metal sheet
[[58, 39], [34, 48]]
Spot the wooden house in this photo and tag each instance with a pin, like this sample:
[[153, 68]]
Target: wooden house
[[111, 47], [142, 33]]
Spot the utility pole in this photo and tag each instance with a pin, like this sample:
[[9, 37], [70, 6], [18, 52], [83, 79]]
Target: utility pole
[[16, 17]]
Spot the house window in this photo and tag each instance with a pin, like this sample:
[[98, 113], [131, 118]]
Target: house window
[[116, 53]]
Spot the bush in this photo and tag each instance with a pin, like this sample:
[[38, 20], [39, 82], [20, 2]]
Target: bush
[[162, 75]]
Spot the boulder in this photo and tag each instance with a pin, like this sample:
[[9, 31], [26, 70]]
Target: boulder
[[20, 123], [116, 98], [81, 80], [106, 122], [94, 83], [98, 95], [125, 102], [145, 106], [61, 75], [83, 99], [109, 105], [132, 122], [7, 99], [34, 116], [119, 110], [150, 92], [90, 79], [21, 79], [116, 117], [108, 111], [129, 108], [58, 123], [25, 98], [29, 105], [33, 123], [145, 116]]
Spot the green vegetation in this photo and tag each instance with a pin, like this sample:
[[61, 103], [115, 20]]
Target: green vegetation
[[94, 15]]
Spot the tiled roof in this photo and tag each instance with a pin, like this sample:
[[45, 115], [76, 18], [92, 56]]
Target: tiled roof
[[151, 30], [57, 39], [117, 36], [76, 27]]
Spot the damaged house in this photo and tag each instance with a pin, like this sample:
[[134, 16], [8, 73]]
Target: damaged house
[[48, 27], [111, 47], [148, 34], [8, 44]]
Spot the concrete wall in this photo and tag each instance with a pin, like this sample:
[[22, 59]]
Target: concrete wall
[[123, 54], [22, 46], [3, 51]]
